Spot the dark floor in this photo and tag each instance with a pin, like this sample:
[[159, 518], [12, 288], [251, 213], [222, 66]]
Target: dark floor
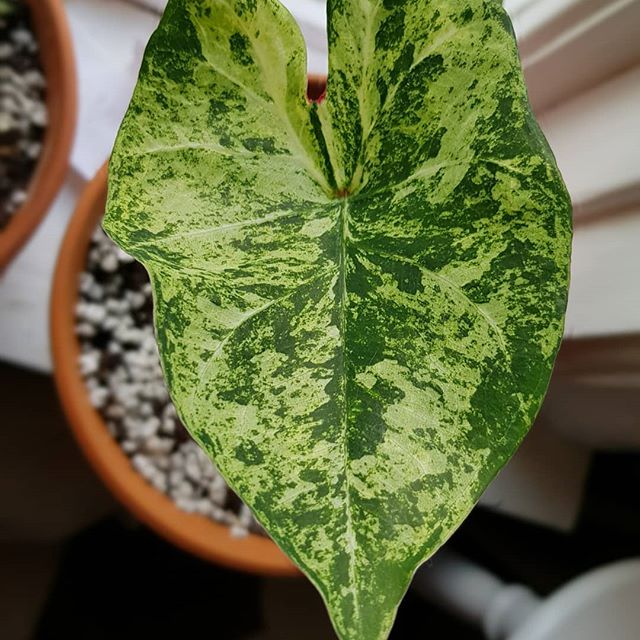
[[118, 581], [121, 581]]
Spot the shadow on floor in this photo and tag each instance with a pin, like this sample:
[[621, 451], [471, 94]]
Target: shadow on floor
[[119, 581]]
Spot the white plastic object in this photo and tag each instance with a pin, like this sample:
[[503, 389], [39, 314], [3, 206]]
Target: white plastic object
[[601, 605], [604, 604], [470, 592]]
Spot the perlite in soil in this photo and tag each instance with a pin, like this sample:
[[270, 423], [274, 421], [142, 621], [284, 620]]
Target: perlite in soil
[[121, 368]]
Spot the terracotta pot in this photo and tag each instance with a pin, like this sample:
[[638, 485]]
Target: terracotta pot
[[56, 55], [194, 533]]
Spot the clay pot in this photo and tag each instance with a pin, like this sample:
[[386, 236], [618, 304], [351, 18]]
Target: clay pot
[[193, 533], [56, 55]]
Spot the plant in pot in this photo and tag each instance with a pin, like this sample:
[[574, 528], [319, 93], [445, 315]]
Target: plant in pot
[[37, 114], [109, 381], [357, 301]]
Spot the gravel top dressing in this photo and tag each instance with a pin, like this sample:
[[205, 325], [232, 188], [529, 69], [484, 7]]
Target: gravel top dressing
[[120, 364], [23, 112]]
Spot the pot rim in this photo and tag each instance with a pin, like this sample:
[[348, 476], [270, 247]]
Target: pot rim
[[193, 533], [50, 26]]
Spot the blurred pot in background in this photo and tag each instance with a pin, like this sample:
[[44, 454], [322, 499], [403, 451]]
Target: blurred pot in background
[[195, 533], [49, 24]]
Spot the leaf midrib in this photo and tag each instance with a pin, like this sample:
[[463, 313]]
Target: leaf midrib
[[350, 530]]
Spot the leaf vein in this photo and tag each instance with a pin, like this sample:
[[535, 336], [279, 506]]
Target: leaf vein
[[204, 368], [459, 291]]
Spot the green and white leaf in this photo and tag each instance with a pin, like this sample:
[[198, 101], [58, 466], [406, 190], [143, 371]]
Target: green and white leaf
[[358, 303]]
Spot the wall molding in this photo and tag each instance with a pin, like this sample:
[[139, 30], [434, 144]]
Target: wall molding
[[596, 139], [569, 46]]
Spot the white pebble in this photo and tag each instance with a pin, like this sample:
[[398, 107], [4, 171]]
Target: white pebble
[[89, 362], [129, 391], [238, 531], [109, 263]]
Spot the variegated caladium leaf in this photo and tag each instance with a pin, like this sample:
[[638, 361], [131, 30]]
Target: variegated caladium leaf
[[358, 303]]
